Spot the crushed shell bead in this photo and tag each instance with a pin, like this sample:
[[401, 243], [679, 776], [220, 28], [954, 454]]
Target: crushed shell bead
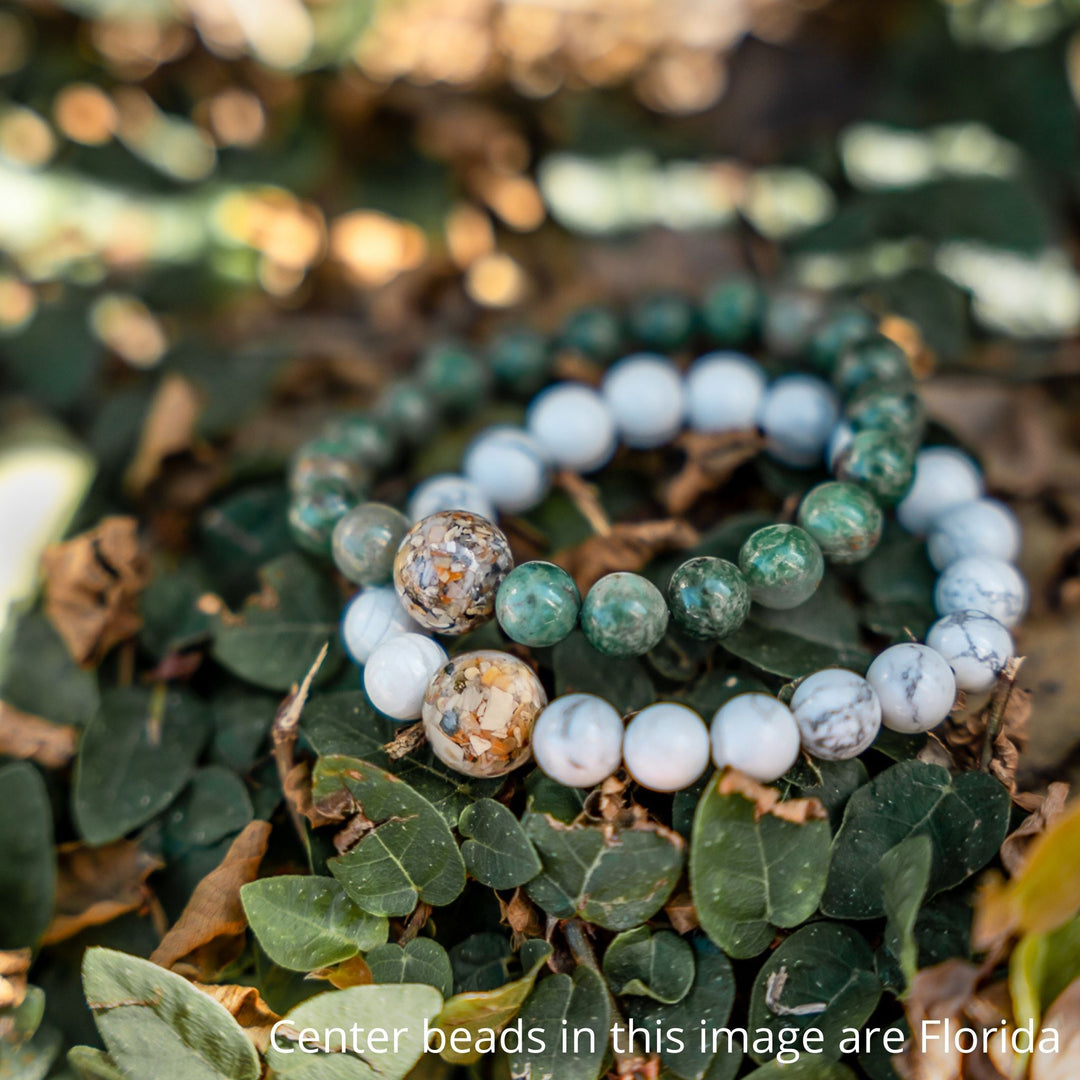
[[838, 714]]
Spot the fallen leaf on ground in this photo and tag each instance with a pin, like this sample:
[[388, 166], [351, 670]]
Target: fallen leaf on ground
[[351, 972], [767, 800], [247, 1008], [682, 913], [522, 918], [1064, 1017], [710, 462], [23, 735], [14, 964], [1015, 846], [169, 428]]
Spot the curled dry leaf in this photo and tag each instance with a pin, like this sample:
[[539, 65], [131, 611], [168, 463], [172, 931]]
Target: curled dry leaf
[[710, 462], [406, 741], [29, 737], [767, 800], [169, 428], [96, 885], [247, 1008], [213, 922], [682, 913], [351, 972], [1063, 1017], [522, 918], [92, 586], [1049, 808], [14, 964]]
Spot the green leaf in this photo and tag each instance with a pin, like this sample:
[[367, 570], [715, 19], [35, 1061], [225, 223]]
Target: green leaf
[[564, 1004], [905, 875], [659, 966], [821, 977], [580, 669], [807, 1068], [243, 718], [32, 1059], [616, 879], [830, 782], [1041, 967], [169, 607], [136, 755], [965, 816], [91, 1064], [145, 1013], [276, 637], [418, 961], [214, 805], [482, 961], [405, 1007], [779, 652], [750, 874], [497, 851], [547, 796], [409, 856], [27, 857], [304, 923]]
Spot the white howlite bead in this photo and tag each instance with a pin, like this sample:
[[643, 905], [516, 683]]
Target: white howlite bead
[[645, 395], [398, 672], [666, 747], [577, 740], [724, 391], [838, 714], [374, 615], [994, 587], [980, 527], [509, 467], [944, 478], [839, 441], [573, 425], [755, 734], [915, 685], [448, 491], [797, 416], [976, 646]]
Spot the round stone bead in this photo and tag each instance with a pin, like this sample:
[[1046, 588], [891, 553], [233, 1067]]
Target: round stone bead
[[508, 467], [991, 586], [374, 615], [453, 376], [876, 359], [313, 516], [369, 440], [755, 734], [573, 425], [520, 360], [838, 714], [662, 321], [408, 410], [844, 520], [595, 332], [839, 441], [879, 462], [448, 491], [782, 565], [732, 311], [797, 416], [724, 392], [976, 647], [449, 568], [366, 540], [398, 672], [837, 331], [645, 395], [915, 686], [578, 740], [479, 710], [537, 604], [981, 527], [327, 464], [791, 317], [624, 614], [944, 478], [895, 408], [666, 747], [708, 597]]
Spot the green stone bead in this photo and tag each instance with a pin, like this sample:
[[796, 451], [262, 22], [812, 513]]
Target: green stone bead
[[876, 359], [708, 597], [409, 411], [836, 333], [624, 614], [732, 312], [369, 440], [663, 321], [537, 604], [782, 565], [844, 519], [895, 408], [313, 516], [595, 332], [366, 540], [879, 462], [520, 360], [455, 377], [326, 464]]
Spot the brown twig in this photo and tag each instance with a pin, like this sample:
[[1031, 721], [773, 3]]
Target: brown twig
[[996, 711], [586, 499]]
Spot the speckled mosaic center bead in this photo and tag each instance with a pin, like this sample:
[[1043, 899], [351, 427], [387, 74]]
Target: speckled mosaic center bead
[[365, 542], [624, 614], [448, 570], [708, 597], [479, 711], [782, 565], [844, 520], [537, 604]]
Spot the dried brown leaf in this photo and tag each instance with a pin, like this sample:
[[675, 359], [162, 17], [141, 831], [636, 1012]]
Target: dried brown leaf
[[415, 922], [1064, 1017], [169, 428], [1050, 807], [23, 735], [767, 800], [681, 912], [522, 918], [351, 972], [406, 741], [710, 462], [937, 993], [247, 1008], [14, 964]]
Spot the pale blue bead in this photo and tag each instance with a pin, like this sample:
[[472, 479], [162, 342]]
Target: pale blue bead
[[838, 714], [994, 587], [839, 441], [798, 415], [645, 395], [666, 746], [944, 478], [448, 491], [508, 466], [724, 392], [577, 740], [573, 425], [974, 645], [374, 615], [981, 527]]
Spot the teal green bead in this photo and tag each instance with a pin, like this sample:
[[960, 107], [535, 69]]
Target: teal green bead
[[595, 332], [839, 330], [365, 541], [537, 604], [408, 410], [326, 464], [879, 462], [663, 321], [313, 516], [520, 360], [732, 311], [782, 565], [708, 597], [895, 408], [368, 439], [456, 378], [874, 360], [624, 614], [844, 520]]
